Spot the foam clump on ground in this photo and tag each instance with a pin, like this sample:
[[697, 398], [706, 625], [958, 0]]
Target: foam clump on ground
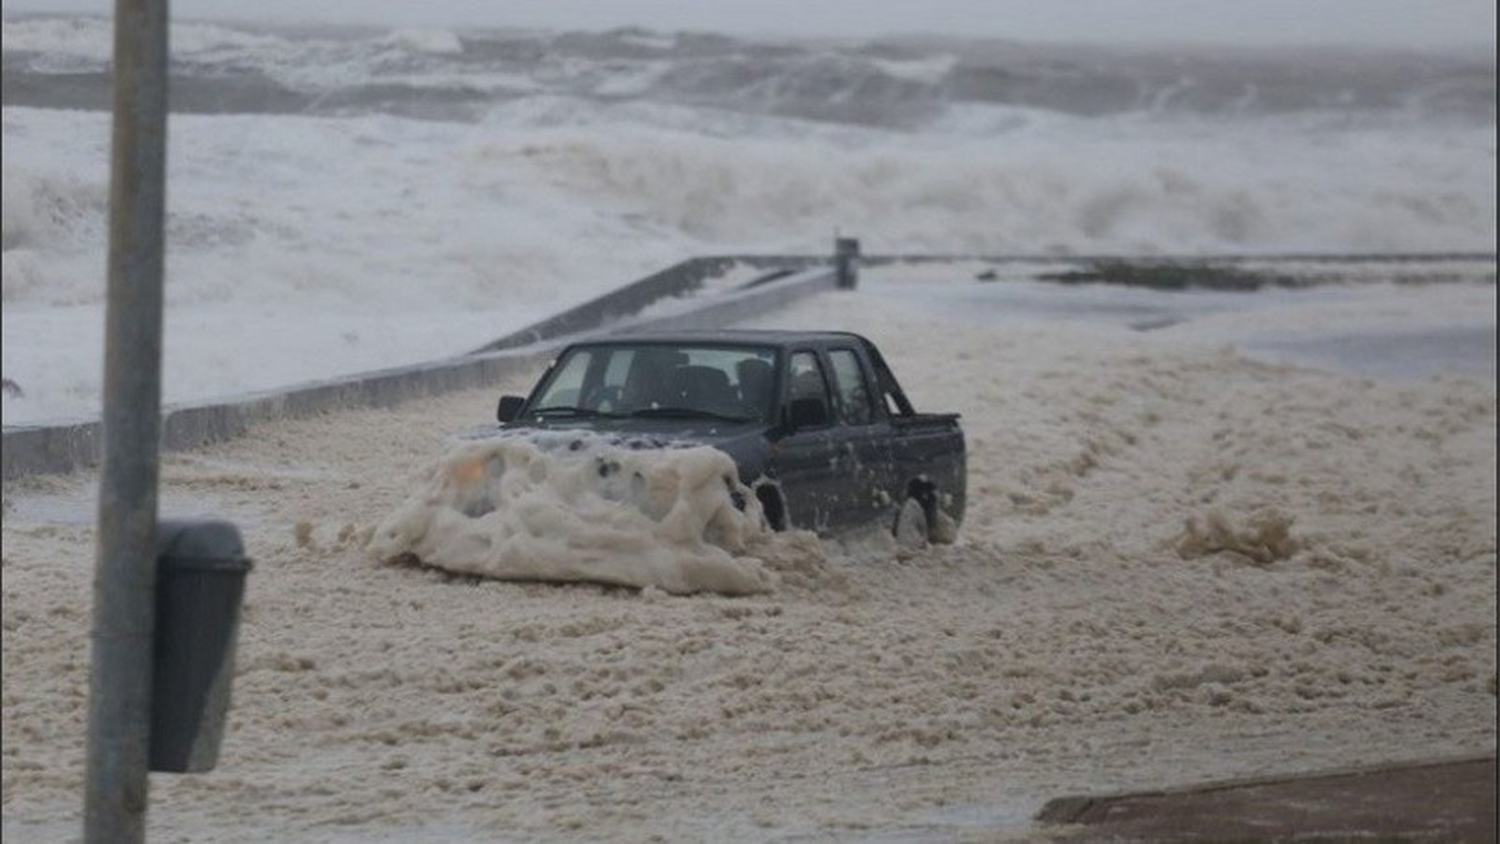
[[577, 506], [1263, 539]]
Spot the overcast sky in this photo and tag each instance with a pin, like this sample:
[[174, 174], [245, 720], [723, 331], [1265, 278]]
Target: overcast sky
[[1415, 23]]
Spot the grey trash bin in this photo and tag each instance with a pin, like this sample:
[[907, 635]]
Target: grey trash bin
[[200, 582]]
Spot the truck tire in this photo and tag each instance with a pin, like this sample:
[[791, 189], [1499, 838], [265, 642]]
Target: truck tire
[[772, 506]]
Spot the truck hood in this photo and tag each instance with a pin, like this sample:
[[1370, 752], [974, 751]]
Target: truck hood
[[747, 443]]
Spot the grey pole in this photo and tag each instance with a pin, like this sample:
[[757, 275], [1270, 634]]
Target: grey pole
[[846, 262], [124, 576]]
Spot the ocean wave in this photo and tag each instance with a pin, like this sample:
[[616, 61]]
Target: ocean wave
[[298, 206], [49, 210], [908, 84], [91, 39], [438, 41], [1050, 189]]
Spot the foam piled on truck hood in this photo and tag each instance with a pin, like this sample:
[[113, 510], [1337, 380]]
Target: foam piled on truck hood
[[578, 506]]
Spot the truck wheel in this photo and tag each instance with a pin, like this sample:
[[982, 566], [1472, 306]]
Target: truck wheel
[[772, 506], [911, 526]]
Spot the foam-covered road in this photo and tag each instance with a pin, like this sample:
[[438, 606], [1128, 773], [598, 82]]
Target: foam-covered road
[[1179, 563]]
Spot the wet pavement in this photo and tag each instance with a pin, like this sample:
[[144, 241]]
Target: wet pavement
[[1448, 800]]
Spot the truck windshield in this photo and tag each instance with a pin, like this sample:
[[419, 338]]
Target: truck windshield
[[653, 379]]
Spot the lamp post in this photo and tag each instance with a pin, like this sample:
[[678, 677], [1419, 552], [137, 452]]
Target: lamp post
[[124, 577]]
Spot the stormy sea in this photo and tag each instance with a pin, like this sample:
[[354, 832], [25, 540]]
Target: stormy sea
[[342, 199]]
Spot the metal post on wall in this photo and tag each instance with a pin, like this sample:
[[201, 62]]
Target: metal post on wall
[[846, 262], [124, 576]]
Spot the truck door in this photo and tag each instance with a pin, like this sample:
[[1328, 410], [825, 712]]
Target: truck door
[[807, 459], [864, 436]]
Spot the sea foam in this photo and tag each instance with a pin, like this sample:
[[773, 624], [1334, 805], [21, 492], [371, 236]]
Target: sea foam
[[574, 506]]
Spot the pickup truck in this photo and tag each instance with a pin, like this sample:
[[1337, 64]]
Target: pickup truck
[[815, 422]]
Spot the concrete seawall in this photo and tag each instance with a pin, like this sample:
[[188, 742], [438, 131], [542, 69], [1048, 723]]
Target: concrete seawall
[[673, 293], [70, 445]]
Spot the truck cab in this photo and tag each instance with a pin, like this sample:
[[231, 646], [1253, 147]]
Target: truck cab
[[816, 422]]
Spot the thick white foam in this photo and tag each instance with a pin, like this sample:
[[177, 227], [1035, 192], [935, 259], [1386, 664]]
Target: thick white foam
[[1176, 565], [573, 506]]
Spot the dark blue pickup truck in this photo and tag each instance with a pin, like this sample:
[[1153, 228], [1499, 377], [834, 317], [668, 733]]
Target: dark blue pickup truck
[[815, 421]]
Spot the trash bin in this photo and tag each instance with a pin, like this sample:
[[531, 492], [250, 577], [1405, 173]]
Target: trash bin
[[200, 581]]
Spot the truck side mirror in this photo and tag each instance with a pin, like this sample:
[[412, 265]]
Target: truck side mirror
[[200, 582], [807, 413], [509, 408]]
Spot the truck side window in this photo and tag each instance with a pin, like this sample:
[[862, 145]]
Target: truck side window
[[853, 392], [806, 378], [892, 406], [567, 382]]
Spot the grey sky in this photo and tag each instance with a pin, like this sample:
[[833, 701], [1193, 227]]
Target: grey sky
[[1414, 23]]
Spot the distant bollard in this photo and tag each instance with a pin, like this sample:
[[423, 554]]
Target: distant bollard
[[200, 582], [846, 262]]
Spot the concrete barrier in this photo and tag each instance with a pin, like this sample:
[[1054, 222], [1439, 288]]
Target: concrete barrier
[[50, 449], [675, 280], [67, 445], [72, 445], [733, 307]]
